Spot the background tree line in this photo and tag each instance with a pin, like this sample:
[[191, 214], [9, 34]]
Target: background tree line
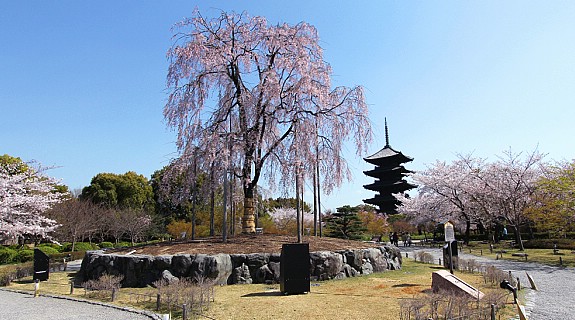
[[518, 192]]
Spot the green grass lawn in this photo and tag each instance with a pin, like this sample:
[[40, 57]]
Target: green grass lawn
[[564, 257]]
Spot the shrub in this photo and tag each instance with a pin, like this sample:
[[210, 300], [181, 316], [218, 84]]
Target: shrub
[[7, 255], [196, 294], [567, 244], [447, 305], [25, 255], [424, 257], [50, 245], [122, 244], [7, 274], [48, 250], [106, 244], [80, 246], [105, 283]]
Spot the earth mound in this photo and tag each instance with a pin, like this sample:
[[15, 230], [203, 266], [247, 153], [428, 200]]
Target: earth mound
[[245, 244]]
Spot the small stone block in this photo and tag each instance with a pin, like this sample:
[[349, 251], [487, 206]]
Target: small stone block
[[444, 281]]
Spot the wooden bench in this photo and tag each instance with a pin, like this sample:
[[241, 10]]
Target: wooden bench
[[520, 254]]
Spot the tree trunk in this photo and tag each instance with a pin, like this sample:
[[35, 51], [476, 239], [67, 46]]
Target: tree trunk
[[518, 238], [248, 220], [467, 231]]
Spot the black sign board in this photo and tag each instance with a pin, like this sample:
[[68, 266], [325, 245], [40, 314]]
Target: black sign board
[[294, 268], [41, 265]]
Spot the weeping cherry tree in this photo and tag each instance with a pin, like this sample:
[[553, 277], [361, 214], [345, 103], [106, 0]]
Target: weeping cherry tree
[[256, 99]]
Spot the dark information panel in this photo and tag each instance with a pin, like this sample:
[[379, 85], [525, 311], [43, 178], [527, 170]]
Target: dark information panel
[[41, 265], [294, 268]]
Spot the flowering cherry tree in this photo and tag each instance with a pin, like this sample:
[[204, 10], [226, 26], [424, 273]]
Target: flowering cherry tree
[[257, 99], [25, 194], [475, 191], [446, 191]]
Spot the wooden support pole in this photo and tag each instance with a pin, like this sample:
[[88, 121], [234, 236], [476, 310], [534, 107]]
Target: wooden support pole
[[533, 286], [184, 312], [36, 287], [492, 312]]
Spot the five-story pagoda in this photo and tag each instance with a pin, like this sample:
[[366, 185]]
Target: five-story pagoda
[[389, 174]]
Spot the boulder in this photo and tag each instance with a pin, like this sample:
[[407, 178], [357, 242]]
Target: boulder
[[241, 275], [325, 265], [275, 268], [168, 277], [366, 268], [264, 275], [354, 258], [376, 258]]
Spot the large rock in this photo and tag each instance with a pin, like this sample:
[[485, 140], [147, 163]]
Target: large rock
[[181, 265], [325, 265], [168, 277], [376, 259], [354, 258], [241, 275]]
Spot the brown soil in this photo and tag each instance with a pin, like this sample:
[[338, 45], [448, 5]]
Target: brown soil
[[262, 243]]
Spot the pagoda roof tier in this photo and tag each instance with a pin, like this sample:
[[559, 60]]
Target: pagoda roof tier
[[384, 206], [378, 199], [390, 186], [378, 171], [387, 157]]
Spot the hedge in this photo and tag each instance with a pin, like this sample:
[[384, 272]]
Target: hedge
[[567, 244], [7, 255]]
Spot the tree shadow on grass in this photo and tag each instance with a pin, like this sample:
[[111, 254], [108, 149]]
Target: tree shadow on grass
[[403, 285], [263, 294]]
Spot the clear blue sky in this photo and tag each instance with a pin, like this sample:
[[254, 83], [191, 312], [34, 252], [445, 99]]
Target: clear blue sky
[[82, 83]]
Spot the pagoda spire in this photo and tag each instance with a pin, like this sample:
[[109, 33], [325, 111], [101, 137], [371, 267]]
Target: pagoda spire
[[386, 134]]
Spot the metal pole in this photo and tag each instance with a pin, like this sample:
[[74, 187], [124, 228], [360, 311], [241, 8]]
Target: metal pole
[[297, 199], [450, 258], [225, 215], [314, 203], [302, 207], [319, 200], [194, 198]]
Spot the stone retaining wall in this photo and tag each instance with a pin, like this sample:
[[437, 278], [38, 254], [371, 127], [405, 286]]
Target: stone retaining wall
[[143, 270]]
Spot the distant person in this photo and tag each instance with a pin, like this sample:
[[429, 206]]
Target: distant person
[[404, 238], [395, 239]]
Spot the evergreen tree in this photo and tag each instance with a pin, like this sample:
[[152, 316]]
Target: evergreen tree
[[345, 224]]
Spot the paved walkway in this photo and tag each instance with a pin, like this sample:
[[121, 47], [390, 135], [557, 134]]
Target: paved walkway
[[22, 306], [554, 298]]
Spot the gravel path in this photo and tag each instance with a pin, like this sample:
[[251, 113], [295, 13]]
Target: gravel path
[[554, 298], [22, 306]]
